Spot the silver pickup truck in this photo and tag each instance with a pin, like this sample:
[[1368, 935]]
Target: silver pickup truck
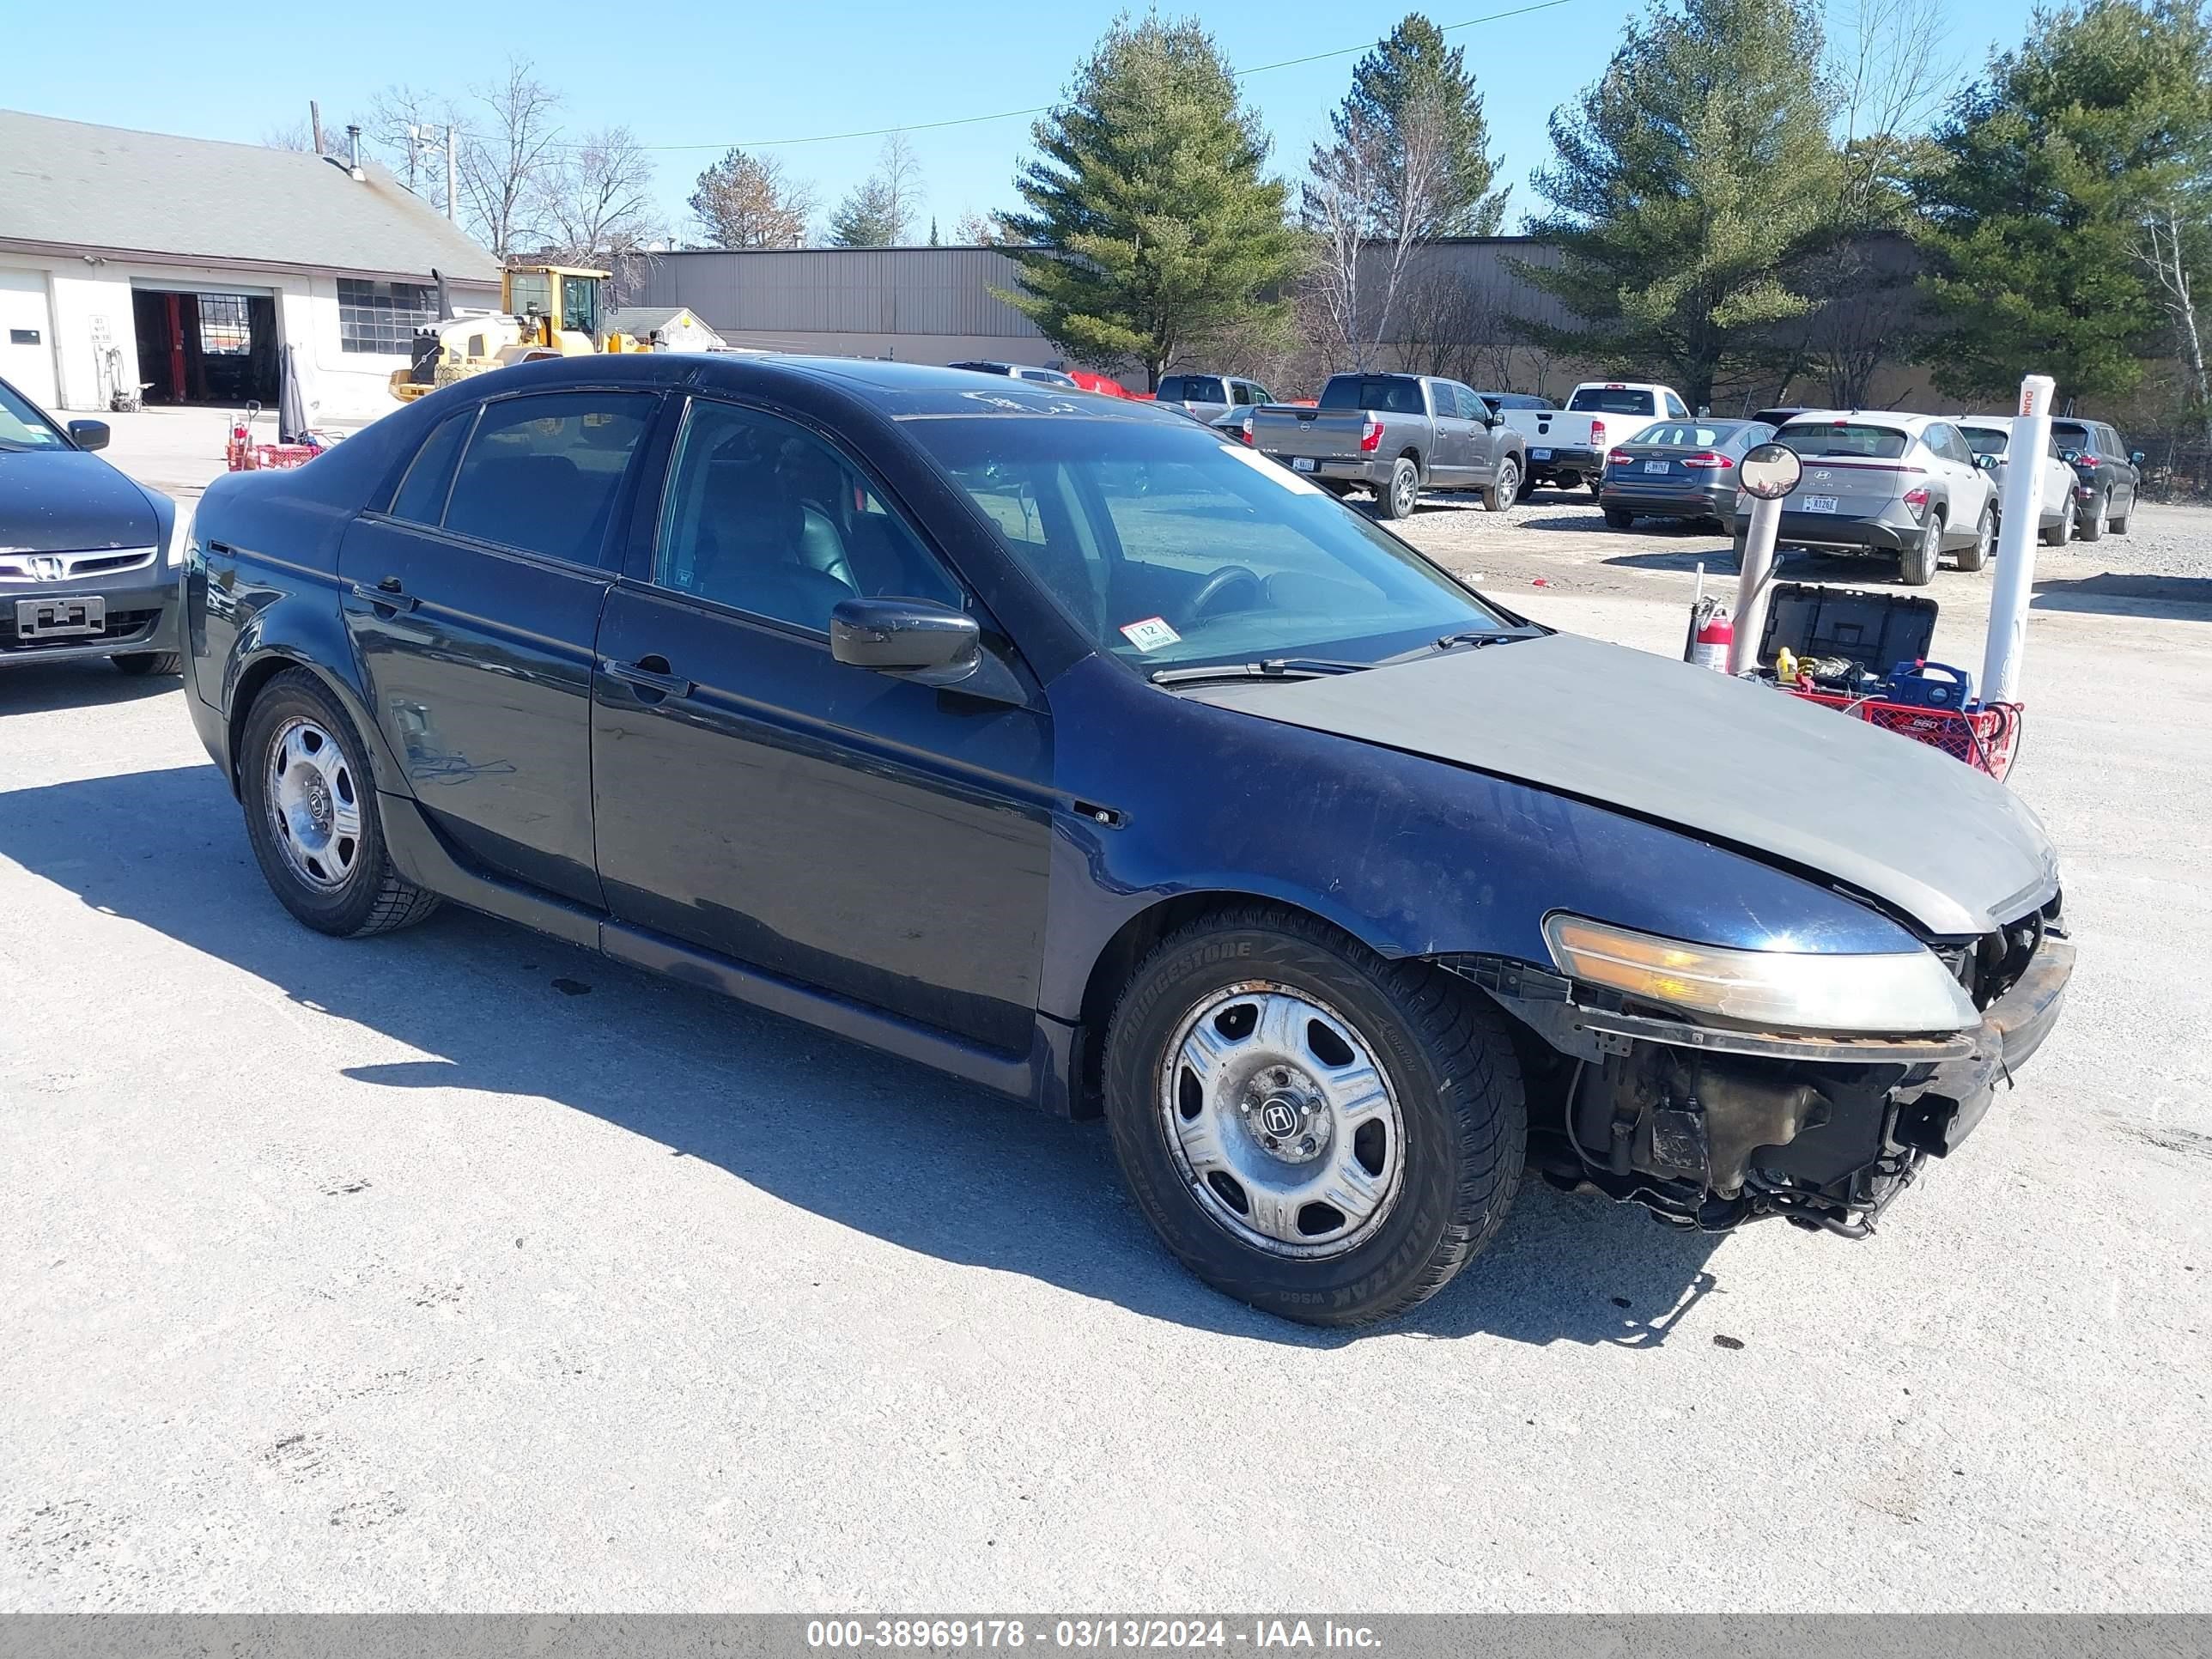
[[1398, 434]]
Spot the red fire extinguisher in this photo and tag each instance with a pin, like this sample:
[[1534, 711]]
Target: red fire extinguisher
[[1714, 636]]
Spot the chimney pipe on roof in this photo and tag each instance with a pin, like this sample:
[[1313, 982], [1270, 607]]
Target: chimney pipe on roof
[[353, 152]]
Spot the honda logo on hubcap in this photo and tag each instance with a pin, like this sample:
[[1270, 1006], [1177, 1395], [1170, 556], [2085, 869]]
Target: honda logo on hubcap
[[1279, 1117]]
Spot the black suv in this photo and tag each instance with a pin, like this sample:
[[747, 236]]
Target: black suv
[[2108, 472]]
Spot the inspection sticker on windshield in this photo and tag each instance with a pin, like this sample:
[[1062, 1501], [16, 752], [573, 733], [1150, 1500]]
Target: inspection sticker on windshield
[[1151, 634]]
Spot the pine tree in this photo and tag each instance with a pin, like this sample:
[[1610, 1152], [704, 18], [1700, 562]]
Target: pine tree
[[1411, 78], [1687, 177], [2053, 167], [745, 201], [1152, 230]]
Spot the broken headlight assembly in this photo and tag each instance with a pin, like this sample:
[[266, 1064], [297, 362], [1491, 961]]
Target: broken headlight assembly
[[1906, 991]]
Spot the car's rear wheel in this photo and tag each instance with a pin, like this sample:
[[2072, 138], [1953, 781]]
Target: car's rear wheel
[[2118, 521], [1505, 489], [312, 816], [1618, 519], [1985, 535], [1311, 1129], [149, 662], [2090, 526], [2062, 532], [1917, 564], [1397, 497]]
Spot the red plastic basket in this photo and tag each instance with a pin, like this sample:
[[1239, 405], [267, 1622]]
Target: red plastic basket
[[1986, 739]]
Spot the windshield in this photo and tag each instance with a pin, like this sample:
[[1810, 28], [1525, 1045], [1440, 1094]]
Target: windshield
[[1394, 394], [2071, 435], [1167, 547], [1986, 440], [1876, 443], [21, 426], [1611, 400], [1202, 389]]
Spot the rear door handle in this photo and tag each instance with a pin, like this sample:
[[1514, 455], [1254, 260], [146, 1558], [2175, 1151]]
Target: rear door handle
[[386, 595], [650, 674]]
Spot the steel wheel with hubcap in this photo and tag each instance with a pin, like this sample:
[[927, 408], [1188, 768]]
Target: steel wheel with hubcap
[[1311, 1129], [1282, 1124], [311, 813]]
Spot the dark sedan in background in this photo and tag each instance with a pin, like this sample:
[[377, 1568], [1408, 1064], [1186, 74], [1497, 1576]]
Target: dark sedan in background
[[1683, 471], [1058, 744], [87, 558]]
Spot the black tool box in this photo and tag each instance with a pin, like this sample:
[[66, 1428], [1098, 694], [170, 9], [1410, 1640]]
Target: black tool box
[[1873, 631]]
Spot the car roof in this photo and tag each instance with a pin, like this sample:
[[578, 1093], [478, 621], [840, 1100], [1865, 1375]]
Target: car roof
[[1914, 424]]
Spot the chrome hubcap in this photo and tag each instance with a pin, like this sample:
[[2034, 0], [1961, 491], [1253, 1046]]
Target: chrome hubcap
[[315, 812], [1406, 484], [1280, 1122]]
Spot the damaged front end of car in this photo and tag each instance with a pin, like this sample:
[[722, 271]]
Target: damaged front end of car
[[1715, 1087]]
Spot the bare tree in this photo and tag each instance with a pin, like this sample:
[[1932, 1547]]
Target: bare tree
[[1892, 65], [746, 201], [900, 169], [407, 129], [288, 134], [879, 210], [1372, 203], [973, 230], [596, 200], [2162, 244], [1450, 326], [504, 167]]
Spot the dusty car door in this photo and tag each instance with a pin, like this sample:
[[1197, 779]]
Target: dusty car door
[[754, 797], [472, 601], [1451, 454]]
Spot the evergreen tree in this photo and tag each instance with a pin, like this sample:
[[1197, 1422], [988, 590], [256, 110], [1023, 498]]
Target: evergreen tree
[[1152, 230], [867, 217], [745, 201], [1412, 79], [1687, 177], [2052, 166]]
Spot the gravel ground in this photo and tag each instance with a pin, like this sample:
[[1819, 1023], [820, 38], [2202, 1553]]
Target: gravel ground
[[459, 1270]]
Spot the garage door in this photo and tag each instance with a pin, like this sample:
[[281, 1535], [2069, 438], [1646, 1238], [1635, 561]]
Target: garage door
[[26, 338]]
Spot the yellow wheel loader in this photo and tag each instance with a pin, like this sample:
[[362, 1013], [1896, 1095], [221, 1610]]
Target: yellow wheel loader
[[546, 311]]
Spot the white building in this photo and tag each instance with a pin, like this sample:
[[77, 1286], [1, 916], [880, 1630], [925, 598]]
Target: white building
[[185, 267]]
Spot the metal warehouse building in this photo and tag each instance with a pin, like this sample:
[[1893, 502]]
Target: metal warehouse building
[[935, 305], [186, 267]]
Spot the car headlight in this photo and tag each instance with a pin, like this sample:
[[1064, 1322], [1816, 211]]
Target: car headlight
[[1906, 991]]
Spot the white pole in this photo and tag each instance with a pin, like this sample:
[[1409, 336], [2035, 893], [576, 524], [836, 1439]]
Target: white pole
[[1752, 586], [2015, 581]]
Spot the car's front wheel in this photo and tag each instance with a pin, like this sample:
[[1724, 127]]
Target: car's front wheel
[[311, 814], [1311, 1129]]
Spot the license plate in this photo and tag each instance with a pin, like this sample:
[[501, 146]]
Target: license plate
[[1817, 504], [1540, 455], [1655, 466], [55, 619], [1302, 463]]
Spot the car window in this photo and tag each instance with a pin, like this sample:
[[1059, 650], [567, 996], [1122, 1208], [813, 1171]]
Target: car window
[[421, 497], [1394, 394], [541, 473], [1128, 524], [22, 427], [1676, 408], [1986, 440], [1170, 390], [2072, 434], [1611, 400], [762, 516], [1203, 389], [1847, 439], [1260, 394], [1684, 435]]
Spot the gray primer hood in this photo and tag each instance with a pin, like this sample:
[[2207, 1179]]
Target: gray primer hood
[[1740, 764]]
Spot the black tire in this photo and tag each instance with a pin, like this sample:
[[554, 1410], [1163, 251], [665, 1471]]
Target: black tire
[[1741, 539], [2062, 532], [2118, 521], [1528, 488], [1502, 491], [1618, 519], [1398, 498], [1916, 563], [1985, 535], [149, 662], [2090, 526], [1449, 1062], [374, 898]]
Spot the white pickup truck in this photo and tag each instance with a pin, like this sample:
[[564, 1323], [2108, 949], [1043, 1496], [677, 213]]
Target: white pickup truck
[[1566, 446]]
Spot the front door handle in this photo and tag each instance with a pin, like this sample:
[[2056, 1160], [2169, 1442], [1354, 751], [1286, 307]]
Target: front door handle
[[387, 595], [650, 674]]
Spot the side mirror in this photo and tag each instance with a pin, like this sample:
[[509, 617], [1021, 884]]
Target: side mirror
[[906, 636], [1987, 463], [2135, 457], [89, 435]]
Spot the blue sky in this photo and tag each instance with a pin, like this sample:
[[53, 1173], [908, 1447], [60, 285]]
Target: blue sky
[[709, 76]]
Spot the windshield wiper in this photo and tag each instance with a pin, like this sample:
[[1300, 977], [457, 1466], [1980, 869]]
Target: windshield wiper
[[1273, 668], [1476, 637]]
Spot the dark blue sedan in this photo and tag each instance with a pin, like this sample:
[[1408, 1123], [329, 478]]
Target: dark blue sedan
[[1056, 743]]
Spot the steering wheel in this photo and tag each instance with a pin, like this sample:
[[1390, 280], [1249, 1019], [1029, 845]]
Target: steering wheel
[[1221, 582]]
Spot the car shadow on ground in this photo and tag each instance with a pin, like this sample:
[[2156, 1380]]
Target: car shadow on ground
[[79, 684], [2175, 598], [921, 1161]]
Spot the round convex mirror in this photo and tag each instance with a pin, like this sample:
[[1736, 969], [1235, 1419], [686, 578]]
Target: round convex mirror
[[1770, 471]]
